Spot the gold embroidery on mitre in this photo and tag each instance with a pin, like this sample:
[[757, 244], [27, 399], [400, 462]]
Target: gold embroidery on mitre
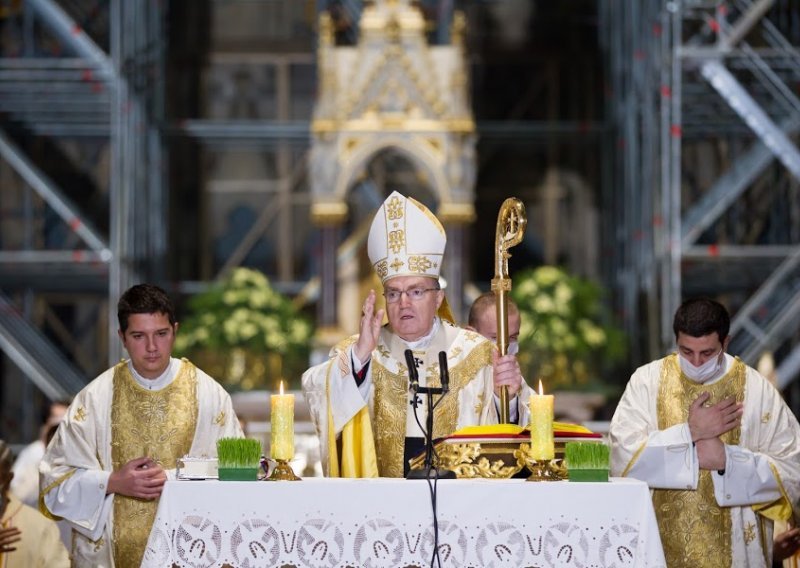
[[156, 424], [397, 264], [397, 240], [695, 530], [394, 209], [80, 414], [766, 417], [220, 419], [419, 264], [381, 269]]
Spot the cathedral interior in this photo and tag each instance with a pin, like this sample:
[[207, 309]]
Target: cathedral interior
[[653, 143]]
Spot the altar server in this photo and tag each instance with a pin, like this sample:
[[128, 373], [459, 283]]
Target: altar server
[[715, 442], [360, 399], [105, 469]]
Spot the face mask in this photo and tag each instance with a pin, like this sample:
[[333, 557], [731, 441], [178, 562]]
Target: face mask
[[513, 347], [704, 372]]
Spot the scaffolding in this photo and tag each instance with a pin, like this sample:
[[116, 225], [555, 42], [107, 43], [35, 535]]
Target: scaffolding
[[91, 114], [705, 122], [694, 158]]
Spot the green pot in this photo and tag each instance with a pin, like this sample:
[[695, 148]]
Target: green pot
[[588, 474], [238, 474]]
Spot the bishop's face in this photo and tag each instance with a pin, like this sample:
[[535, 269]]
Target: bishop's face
[[149, 340], [412, 319]]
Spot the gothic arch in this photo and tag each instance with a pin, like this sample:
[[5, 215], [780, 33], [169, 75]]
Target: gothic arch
[[424, 162]]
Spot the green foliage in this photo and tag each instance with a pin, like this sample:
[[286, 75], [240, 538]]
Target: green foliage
[[238, 453], [566, 338], [245, 333], [586, 455]]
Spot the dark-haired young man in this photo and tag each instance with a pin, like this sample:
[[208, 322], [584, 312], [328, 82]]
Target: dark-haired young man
[[106, 467], [715, 442]]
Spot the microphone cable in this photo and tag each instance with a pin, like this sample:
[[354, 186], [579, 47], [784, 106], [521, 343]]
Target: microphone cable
[[432, 467]]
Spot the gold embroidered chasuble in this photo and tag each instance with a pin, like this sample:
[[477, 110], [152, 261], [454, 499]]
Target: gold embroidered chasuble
[[392, 397], [364, 436], [695, 531], [157, 424]]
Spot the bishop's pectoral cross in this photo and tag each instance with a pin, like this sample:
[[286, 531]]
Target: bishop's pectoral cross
[[416, 400]]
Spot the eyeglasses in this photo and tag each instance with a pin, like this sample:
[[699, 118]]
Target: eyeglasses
[[413, 294]]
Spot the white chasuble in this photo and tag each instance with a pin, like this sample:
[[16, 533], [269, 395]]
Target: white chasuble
[[85, 450], [709, 518], [158, 424], [334, 397]]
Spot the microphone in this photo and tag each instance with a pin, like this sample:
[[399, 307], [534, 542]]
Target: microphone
[[412, 370], [444, 372]]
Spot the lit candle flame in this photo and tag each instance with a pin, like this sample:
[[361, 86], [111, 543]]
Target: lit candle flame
[[540, 386], [541, 391]]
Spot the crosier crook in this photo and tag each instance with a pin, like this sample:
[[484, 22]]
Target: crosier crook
[[511, 223]]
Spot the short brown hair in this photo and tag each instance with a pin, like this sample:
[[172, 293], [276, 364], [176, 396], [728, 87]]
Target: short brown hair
[[698, 317], [144, 299]]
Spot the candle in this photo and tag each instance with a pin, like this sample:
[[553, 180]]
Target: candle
[[542, 445], [282, 422]]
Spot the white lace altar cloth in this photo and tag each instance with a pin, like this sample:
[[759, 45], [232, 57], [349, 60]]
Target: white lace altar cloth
[[387, 523]]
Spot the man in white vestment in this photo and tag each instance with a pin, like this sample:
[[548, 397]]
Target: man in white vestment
[[715, 442], [123, 433], [360, 399]]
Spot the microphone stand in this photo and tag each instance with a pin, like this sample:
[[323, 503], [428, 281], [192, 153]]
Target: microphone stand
[[428, 470]]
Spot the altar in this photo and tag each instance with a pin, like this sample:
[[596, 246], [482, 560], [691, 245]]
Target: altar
[[388, 523]]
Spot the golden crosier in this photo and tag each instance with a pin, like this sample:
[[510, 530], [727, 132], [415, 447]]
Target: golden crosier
[[511, 223]]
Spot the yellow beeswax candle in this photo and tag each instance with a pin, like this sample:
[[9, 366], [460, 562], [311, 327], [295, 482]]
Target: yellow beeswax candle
[[542, 445], [282, 426]]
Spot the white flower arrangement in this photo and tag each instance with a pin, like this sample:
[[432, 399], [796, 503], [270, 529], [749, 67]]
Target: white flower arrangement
[[238, 324], [566, 337]]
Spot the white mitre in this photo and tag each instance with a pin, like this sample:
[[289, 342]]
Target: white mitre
[[405, 239]]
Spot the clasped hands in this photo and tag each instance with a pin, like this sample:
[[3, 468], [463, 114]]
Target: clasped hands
[[142, 478], [707, 423]]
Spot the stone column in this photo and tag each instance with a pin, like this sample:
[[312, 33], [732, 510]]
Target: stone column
[[457, 218], [328, 217]]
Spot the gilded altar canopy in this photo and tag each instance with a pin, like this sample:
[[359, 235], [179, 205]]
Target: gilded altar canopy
[[405, 239]]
